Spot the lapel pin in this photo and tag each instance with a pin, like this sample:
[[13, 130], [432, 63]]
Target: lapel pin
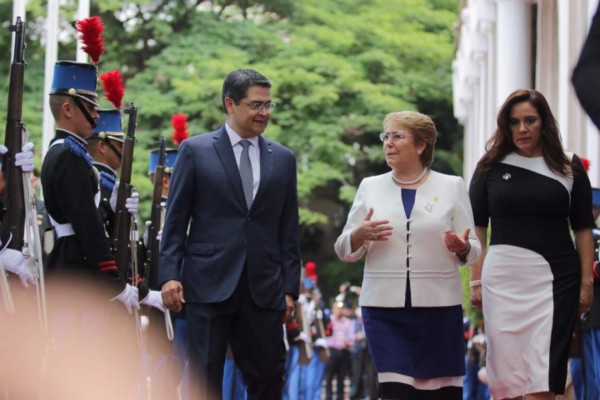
[[429, 206], [506, 176]]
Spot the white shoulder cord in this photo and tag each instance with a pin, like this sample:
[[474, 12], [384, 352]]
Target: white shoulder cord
[[33, 254], [32, 251], [5, 289], [133, 238], [169, 326]]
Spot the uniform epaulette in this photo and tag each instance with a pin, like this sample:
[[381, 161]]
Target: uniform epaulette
[[78, 149], [107, 180]]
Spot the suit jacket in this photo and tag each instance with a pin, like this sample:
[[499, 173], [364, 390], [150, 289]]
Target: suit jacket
[[441, 203], [585, 74], [206, 194]]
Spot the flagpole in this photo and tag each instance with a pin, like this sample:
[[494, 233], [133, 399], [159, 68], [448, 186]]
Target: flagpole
[[83, 12], [51, 55]]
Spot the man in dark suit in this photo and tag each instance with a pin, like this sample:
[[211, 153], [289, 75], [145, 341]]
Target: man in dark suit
[[237, 267]]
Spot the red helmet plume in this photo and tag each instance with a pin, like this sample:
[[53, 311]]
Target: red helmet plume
[[114, 88], [91, 30], [180, 129]]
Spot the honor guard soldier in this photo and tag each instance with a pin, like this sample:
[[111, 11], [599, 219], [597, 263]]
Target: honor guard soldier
[[70, 184], [84, 283], [170, 157], [166, 360], [105, 147]]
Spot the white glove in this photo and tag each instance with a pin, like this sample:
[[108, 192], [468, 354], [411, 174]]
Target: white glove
[[144, 322], [113, 197], [3, 149], [302, 299], [132, 203], [321, 342], [302, 337], [13, 261], [154, 299], [146, 232], [24, 159], [129, 298], [159, 235]]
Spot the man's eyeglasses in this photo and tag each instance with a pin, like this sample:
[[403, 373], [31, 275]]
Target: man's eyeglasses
[[395, 136], [258, 106]]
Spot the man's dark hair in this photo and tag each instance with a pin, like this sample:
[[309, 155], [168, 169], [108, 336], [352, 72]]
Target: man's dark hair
[[236, 84]]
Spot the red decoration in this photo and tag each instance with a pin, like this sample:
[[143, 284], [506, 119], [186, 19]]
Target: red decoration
[[311, 271], [114, 88], [180, 128], [586, 164], [91, 30]]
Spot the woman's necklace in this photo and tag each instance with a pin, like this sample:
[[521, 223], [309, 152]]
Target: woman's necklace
[[406, 183]]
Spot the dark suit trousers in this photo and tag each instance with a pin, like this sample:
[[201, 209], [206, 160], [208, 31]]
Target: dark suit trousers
[[256, 338]]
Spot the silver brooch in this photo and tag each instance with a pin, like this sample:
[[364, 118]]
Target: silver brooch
[[428, 205], [506, 176]]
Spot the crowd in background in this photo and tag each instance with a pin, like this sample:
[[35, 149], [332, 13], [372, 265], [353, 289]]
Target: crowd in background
[[327, 349]]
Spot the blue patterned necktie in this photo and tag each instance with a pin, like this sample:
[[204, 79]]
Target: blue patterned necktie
[[246, 173]]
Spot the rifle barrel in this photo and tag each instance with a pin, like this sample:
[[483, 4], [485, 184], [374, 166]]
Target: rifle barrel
[[123, 219], [155, 219], [14, 198]]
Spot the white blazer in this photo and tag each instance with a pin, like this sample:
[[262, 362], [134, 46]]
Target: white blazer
[[441, 203]]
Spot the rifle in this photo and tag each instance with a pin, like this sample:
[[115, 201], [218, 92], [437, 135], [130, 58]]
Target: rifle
[[306, 349], [157, 345], [153, 252], [14, 199], [19, 211], [125, 238], [122, 217], [324, 353]]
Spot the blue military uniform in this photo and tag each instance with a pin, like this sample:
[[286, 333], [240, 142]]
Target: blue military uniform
[[168, 365], [108, 128], [70, 185], [82, 274]]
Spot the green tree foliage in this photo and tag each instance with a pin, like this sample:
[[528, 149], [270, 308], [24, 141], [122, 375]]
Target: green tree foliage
[[337, 67]]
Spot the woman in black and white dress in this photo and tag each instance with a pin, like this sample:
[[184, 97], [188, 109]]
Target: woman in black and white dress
[[533, 278]]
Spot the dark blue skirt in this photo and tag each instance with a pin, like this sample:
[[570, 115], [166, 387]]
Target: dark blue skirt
[[424, 343]]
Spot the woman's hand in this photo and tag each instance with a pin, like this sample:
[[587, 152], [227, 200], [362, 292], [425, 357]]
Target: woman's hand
[[373, 230], [476, 296], [457, 244], [586, 297]]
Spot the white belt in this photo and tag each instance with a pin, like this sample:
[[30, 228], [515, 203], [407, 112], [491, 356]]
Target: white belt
[[62, 230]]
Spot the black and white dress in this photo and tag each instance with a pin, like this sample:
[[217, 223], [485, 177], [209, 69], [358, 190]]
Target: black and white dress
[[531, 274]]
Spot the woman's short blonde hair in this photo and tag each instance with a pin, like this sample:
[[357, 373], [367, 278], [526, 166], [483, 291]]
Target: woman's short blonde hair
[[420, 126]]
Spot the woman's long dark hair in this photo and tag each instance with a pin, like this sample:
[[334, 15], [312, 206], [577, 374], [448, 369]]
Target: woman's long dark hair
[[501, 143]]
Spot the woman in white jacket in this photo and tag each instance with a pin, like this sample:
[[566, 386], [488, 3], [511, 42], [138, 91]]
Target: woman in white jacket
[[415, 227]]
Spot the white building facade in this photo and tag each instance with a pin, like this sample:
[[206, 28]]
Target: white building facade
[[504, 45]]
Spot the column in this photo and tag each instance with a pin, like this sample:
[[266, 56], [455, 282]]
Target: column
[[513, 46]]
